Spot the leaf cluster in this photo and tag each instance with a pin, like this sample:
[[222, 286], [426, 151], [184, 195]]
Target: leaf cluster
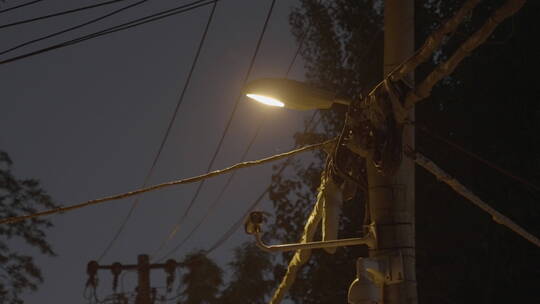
[[251, 278]]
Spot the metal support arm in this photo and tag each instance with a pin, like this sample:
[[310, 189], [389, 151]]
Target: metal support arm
[[253, 226], [368, 240]]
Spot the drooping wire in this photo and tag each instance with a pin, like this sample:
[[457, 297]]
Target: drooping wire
[[261, 123], [189, 180], [66, 12], [167, 131], [19, 6], [124, 26], [174, 230], [223, 190], [227, 234], [298, 50], [232, 229], [72, 28], [475, 156], [310, 125], [240, 220], [213, 205]]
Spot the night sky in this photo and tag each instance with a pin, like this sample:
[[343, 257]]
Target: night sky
[[87, 120]]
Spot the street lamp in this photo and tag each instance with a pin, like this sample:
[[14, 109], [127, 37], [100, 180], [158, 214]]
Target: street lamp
[[380, 270], [292, 94]]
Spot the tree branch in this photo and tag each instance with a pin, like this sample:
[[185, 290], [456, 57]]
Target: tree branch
[[423, 90]]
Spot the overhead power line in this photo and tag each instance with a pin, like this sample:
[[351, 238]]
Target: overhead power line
[[167, 131], [310, 125], [169, 184], [212, 206], [298, 50], [498, 217], [259, 127], [72, 28], [224, 188], [238, 223], [220, 143], [124, 26], [19, 6], [232, 229], [492, 165], [62, 13]]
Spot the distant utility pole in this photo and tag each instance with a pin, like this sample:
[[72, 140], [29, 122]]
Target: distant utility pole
[[145, 294]]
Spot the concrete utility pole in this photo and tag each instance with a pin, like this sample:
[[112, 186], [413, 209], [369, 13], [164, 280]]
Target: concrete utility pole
[[392, 198], [145, 294]]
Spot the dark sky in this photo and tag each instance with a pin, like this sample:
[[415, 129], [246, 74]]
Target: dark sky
[[87, 121]]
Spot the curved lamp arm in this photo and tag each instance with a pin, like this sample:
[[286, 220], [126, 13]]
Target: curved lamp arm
[[253, 226]]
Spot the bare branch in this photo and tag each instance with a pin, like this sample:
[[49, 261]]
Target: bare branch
[[423, 90], [434, 41]]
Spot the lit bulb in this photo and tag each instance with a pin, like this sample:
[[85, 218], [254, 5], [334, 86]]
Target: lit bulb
[[266, 100]]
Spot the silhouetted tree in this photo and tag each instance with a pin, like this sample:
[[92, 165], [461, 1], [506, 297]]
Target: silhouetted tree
[[251, 279], [201, 281], [18, 271]]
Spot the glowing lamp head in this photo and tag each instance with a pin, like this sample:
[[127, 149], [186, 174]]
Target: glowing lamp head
[[266, 100], [288, 93]]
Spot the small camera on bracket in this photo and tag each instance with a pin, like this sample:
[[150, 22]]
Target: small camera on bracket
[[253, 222]]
